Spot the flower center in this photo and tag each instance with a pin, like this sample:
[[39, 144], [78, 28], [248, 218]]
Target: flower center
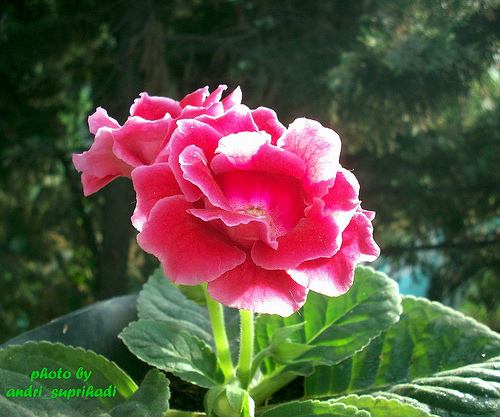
[[257, 212]]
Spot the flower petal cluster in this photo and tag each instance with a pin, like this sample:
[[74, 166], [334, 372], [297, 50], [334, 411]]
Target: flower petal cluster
[[117, 150], [261, 213]]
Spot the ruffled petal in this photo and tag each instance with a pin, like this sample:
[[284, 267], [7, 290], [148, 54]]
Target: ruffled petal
[[140, 141], [190, 250], [237, 119], [334, 276], [215, 96], [191, 112], [241, 228], [249, 287], [93, 184], [267, 121], [101, 119], [151, 184], [253, 151], [342, 199], [196, 98], [191, 132], [154, 107], [195, 170], [319, 147], [232, 99], [99, 163], [316, 235]]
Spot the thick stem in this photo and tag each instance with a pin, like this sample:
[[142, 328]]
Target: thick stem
[[219, 328], [246, 348]]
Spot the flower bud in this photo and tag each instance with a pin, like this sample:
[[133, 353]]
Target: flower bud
[[229, 401]]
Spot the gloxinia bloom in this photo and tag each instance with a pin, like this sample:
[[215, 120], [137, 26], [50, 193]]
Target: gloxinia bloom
[[117, 150], [261, 213]]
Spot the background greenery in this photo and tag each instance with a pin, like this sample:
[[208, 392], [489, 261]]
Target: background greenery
[[412, 87]]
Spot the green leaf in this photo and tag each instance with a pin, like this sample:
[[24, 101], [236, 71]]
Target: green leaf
[[313, 408], [150, 400], [379, 406], [161, 300], [333, 329], [166, 347], [26, 368], [432, 359], [472, 390], [428, 338]]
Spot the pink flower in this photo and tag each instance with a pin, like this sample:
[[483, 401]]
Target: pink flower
[[262, 213], [117, 150]]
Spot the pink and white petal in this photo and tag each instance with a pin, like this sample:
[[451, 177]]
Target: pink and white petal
[[319, 147], [267, 120], [100, 119], [249, 287], [93, 184], [237, 119], [155, 107], [151, 184], [192, 112], [99, 160], [191, 132], [329, 276], [370, 215], [215, 96], [316, 235], [232, 99], [140, 141], [342, 199], [334, 276], [195, 170], [361, 232], [241, 228], [190, 250], [195, 98], [253, 151]]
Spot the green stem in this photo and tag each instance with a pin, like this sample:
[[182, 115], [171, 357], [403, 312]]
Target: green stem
[[219, 328], [246, 348]]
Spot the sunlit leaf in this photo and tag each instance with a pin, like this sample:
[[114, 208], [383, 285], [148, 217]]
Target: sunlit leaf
[[434, 358], [379, 406], [166, 347], [333, 328], [312, 408], [162, 301]]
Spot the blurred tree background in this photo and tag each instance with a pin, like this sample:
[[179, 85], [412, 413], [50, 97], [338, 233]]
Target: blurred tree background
[[412, 87]]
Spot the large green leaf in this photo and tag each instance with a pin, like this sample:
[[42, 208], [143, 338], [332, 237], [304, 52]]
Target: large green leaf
[[314, 408], [331, 330], [164, 346], [160, 300], [427, 356], [379, 406], [26, 388], [472, 390]]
